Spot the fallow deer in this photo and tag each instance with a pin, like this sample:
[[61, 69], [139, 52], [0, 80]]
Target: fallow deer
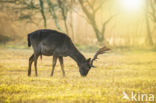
[[53, 43]]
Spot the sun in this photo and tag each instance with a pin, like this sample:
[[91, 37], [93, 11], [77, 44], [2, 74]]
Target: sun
[[132, 5]]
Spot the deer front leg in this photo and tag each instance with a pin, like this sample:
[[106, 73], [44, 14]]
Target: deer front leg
[[31, 59], [35, 63], [54, 64], [62, 65]]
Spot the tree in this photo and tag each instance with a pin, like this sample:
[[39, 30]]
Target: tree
[[25, 10], [150, 14], [42, 12], [64, 9], [52, 12], [90, 8]]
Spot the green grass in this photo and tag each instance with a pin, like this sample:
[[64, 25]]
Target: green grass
[[116, 72]]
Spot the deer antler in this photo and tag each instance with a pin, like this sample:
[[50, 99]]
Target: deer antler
[[100, 51]]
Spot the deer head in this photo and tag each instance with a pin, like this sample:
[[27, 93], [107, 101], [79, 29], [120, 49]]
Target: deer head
[[86, 66]]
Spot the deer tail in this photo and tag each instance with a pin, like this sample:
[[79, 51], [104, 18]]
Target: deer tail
[[29, 42]]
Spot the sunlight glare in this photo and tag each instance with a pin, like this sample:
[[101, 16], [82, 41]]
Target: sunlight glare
[[132, 5]]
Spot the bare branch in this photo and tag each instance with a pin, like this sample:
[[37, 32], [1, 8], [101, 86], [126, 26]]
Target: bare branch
[[100, 6], [88, 14], [106, 22]]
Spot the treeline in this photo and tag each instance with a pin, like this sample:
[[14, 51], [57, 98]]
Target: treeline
[[100, 19]]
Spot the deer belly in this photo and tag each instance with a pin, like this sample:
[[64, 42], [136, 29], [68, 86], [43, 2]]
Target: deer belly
[[60, 52], [46, 51], [53, 50]]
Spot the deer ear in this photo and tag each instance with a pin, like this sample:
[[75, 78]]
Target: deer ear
[[89, 59], [89, 62]]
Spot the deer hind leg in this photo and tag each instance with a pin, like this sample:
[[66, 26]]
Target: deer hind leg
[[54, 64], [31, 59], [62, 65], [35, 63]]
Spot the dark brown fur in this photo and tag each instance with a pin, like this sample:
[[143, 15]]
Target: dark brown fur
[[53, 43]]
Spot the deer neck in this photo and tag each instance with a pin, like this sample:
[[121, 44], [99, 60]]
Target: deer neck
[[77, 56]]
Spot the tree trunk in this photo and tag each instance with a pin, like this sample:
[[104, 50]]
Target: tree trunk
[[53, 14], [99, 35], [71, 21], [148, 40], [42, 12], [64, 13]]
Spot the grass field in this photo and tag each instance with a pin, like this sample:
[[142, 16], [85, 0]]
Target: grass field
[[117, 71]]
